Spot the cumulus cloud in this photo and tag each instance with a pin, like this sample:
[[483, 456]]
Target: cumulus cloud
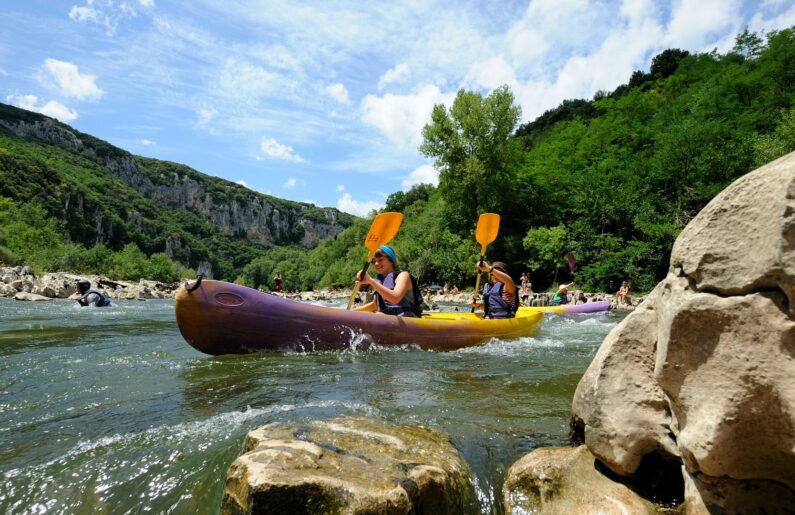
[[348, 204], [425, 174], [146, 142], [395, 74], [52, 108], [147, 3], [338, 92], [275, 150], [340, 188], [70, 81], [290, 183], [243, 183], [696, 23], [401, 117]]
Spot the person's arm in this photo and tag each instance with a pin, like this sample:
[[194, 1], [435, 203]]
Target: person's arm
[[500, 276], [402, 286]]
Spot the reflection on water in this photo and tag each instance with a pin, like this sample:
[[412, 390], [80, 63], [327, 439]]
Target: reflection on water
[[110, 410]]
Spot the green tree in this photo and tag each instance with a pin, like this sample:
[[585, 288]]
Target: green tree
[[474, 153]]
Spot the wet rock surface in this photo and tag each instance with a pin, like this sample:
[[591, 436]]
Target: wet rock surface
[[348, 465], [567, 480]]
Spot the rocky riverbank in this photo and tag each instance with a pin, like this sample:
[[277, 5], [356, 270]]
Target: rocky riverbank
[[21, 283]]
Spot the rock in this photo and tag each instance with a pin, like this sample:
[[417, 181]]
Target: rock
[[720, 329], [30, 296], [566, 480], [348, 465], [618, 405], [705, 495]]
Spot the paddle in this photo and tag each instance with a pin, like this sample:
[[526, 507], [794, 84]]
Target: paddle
[[383, 229], [486, 232]]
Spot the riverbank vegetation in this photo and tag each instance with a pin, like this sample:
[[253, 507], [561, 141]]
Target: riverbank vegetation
[[613, 180]]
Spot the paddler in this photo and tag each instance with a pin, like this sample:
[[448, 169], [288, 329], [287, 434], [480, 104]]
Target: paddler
[[499, 293], [395, 291], [562, 296], [89, 297]]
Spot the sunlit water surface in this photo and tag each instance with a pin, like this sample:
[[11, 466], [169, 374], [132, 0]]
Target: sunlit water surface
[[109, 410]]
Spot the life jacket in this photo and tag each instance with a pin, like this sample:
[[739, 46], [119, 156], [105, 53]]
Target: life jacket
[[409, 306], [494, 306], [560, 298], [104, 300]]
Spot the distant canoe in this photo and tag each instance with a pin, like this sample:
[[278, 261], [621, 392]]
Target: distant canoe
[[223, 318], [588, 307]]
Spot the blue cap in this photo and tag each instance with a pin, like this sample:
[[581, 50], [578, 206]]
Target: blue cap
[[389, 253]]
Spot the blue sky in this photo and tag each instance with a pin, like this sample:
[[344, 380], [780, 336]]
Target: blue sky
[[324, 101]]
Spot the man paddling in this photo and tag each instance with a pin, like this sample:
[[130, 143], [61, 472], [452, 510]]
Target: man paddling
[[396, 292], [89, 297]]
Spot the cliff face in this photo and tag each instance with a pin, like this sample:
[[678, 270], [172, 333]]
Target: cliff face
[[233, 210]]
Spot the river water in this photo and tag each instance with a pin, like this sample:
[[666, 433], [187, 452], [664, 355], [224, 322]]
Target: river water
[[109, 410]]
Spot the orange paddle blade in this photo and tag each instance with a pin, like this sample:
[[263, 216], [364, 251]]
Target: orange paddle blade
[[384, 228], [488, 227]]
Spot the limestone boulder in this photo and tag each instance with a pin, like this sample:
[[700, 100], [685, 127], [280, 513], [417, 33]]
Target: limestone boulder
[[704, 369], [618, 407], [566, 480], [32, 297], [348, 466]]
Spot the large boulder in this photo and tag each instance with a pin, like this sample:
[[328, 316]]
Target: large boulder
[[348, 466], [566, 480], [704, 369]]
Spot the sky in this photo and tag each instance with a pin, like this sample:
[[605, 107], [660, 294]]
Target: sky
[[324, 102]]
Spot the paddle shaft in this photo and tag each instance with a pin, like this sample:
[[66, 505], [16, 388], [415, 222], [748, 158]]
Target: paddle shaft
[[477, 286], [356, 288]]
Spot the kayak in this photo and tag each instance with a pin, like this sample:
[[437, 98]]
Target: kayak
[[566, 309], [217, 317]]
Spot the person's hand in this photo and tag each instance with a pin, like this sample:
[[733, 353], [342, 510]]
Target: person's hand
[[483, 266], [366, 279]]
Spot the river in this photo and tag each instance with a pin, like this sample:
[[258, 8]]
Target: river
[[109, 410]]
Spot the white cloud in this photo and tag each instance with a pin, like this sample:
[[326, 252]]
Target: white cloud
[[401, 117], [204, 116], [84, 14], [425, 174], [71, 82], [698, 24], [395, 74], [147, 3], [51, 108], [338, 92], [492, 73], [146, 142], [243, 80], [340, 188], [243, 183], [355, 207], [275, 150], [290, 183], [775, 21]]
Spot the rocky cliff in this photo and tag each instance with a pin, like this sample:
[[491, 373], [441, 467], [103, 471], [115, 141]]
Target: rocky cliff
[[233, 210]]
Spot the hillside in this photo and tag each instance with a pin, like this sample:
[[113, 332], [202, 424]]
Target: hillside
[[106, 196]]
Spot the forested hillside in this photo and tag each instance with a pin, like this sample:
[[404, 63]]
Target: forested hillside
[[69, 201], [613, 179]]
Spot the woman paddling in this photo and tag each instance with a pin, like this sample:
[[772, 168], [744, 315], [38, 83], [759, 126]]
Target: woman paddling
[[396, 292]]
